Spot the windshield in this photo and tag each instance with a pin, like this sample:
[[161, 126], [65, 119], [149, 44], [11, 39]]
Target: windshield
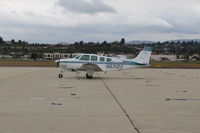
[[77, 56]]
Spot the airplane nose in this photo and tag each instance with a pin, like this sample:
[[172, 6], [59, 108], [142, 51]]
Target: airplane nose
[[57, 63], [63, 65]]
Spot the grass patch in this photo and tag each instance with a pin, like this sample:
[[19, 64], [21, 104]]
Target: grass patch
[[164, 64], [17, 62], [178, 64]]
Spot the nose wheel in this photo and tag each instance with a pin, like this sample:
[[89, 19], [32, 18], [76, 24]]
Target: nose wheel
[[60, 75]]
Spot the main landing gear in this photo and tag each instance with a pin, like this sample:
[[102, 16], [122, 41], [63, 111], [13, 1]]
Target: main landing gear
[[88, 76]]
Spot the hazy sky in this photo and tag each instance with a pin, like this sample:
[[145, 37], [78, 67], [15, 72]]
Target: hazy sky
[[54, 21]]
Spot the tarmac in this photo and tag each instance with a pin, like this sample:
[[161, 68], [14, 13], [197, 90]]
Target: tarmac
[[35, 100]]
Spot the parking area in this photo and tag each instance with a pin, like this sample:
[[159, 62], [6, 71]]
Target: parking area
[[134, 101]]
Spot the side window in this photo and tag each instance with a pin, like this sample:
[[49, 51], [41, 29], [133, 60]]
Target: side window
[[93, 58], [108, 59], [77, 56], [102, 59], [85, 57]]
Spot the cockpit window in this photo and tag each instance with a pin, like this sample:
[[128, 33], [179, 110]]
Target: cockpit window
[[93, 58], [85, 57], [77, 56]]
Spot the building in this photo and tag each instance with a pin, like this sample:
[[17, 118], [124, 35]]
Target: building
[[56, 55], [26, 57], [121, 56], [195, 57], [48, 56], [100, 53], [110, 55], [162, 57], [130, 56], [5, 56], [53, 56]]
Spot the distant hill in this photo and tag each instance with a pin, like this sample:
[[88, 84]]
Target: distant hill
[[63, 43], [137, 42], [185, 40]]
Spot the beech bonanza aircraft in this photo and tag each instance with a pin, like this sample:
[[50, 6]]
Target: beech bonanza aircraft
[[92, 63]]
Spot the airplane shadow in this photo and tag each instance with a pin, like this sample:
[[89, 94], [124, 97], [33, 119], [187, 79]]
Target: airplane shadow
[[107, 78]]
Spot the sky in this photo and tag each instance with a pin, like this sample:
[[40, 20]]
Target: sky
[[55, 21]]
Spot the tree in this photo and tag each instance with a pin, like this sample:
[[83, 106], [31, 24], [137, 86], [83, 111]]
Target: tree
[[1, 40], [81, 42], [122, 42], [105, 43], [34, 56], [19, 41], [13, 41]]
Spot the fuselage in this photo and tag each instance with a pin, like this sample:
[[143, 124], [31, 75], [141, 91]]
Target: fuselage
[[97, 63]]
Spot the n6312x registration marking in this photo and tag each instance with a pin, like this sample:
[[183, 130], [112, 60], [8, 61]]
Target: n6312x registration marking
[[114, 66]]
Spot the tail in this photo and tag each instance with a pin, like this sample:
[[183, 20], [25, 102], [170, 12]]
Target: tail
[[144, 56]]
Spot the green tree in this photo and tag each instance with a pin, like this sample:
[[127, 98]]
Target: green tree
[[19, 41], [122, 42], [13, 41], [81, 42], [105, 43], [1, 40]]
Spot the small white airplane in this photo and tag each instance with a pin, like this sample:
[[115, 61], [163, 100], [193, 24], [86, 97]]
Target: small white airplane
[[92, 63]]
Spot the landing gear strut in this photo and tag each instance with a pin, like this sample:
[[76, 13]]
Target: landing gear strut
[[60, 75], [88, 76]]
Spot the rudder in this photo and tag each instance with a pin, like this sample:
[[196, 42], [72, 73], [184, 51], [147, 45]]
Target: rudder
[[144, 56]]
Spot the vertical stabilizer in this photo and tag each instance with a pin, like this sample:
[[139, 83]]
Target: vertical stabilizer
[[144, 56]]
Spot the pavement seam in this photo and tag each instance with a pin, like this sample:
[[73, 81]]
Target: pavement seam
[[123, 109], [56, 115]]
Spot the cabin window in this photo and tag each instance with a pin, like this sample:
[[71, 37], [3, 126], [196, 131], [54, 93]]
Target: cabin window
[[108, 59], [93, 58], [102, 59], [85, 57]]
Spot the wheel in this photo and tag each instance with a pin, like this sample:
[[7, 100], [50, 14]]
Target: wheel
[[88, 76], [60, 75]]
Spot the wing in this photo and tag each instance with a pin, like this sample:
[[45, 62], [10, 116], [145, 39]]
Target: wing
[[89, 66]]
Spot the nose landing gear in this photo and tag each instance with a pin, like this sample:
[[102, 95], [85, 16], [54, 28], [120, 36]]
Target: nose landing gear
[[60, 75]]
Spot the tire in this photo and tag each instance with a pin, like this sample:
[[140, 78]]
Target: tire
[[88, 76], [60, 75]]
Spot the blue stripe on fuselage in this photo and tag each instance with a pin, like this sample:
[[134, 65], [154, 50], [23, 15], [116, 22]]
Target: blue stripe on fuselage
[[120, 63]]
